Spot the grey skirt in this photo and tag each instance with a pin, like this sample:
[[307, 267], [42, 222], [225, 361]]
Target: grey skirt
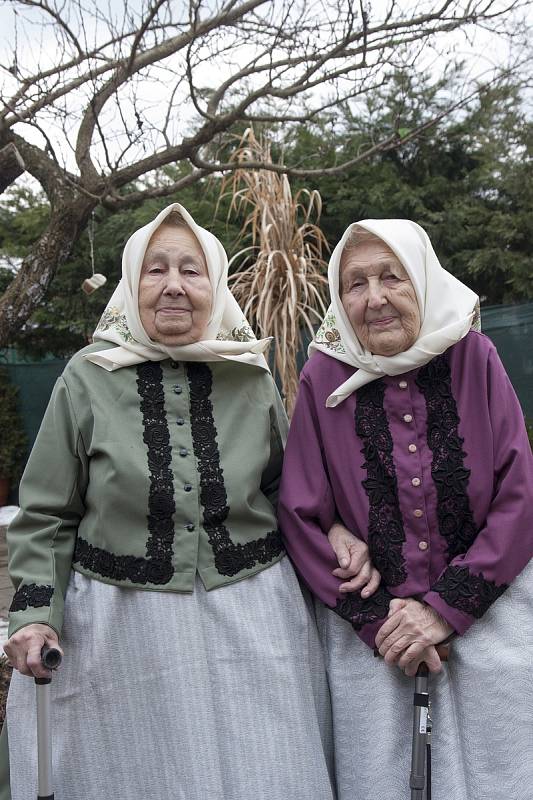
[[217, 695], [482, 709]]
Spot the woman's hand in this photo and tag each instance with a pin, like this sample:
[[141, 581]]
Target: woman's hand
[[23, 649], [354, 562], [410, 633], [410, 663]]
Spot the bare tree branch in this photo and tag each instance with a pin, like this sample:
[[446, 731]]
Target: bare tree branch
[[114, 97], [137, 63], [58, 18], [11, 165]]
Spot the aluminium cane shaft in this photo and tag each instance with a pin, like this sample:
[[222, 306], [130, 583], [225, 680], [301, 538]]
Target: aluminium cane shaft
[[44, 745], [417, 779]]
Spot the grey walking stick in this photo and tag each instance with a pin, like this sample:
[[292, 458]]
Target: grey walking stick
[[420, 777], [51, 659]]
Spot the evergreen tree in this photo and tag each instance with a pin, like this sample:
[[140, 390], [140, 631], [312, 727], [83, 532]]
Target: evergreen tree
[[467, 181]]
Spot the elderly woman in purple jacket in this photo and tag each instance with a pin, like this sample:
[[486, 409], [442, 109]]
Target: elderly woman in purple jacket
[[407, 429]]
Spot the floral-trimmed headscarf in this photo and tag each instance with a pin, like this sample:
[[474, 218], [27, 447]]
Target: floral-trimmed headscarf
[[228, 335], [448, 309]]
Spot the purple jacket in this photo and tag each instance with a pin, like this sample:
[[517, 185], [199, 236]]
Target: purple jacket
[[432, 469]]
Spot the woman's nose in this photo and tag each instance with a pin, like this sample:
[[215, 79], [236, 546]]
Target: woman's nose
[[174, 282], [375, 295]]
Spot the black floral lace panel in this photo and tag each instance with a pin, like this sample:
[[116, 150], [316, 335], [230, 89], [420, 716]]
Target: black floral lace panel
[[121, 568], [470, 593], [456, 522], [157, 567], [31, 595], [386, 534], [362, 612], [230, 558], [156, 436]]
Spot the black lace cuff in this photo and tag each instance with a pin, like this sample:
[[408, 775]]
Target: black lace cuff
[[360, 612], [31, 596], [472, 594]]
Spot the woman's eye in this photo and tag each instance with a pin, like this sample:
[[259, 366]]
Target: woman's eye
[[391, 278]]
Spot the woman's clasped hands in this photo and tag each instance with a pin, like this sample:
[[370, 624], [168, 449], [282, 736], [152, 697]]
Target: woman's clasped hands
[[355, 566], [409, 635], [411, 630]]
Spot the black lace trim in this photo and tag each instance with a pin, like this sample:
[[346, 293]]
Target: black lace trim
[[31, 595], [157, 567], [470, 593], [230, 558], [122, 568], [456, 521], [156, 436], [386, 534], [361, 612]]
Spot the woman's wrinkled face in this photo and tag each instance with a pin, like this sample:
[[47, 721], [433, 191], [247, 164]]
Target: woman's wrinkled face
[[379, 299], [175, 294]]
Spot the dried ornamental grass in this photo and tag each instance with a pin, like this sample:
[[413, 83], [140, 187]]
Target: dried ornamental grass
[[281, 284], [5, 677]]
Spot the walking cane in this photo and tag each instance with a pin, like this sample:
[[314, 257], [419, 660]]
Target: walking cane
[[420, 777], [50, 659]]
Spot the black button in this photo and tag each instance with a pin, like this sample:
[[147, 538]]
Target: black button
[[177, 389], [189, 526], [174, 364], [183, 452], [180, 421], [187, 487]]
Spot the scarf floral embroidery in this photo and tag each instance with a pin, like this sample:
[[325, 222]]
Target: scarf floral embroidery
[[113, 319], [244, 333], [329, 335]]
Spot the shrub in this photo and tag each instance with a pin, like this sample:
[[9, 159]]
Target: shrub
[[13, 441]]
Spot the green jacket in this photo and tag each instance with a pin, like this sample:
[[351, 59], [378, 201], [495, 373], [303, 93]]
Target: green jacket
[[145, 476]]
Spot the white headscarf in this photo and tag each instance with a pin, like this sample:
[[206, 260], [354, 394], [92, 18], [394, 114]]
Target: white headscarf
[[228, 335], [446, 307]]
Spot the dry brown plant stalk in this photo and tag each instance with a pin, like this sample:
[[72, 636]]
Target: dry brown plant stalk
[[281, 284], [5, 677]]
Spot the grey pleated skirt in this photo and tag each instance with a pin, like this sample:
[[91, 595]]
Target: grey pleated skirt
[[482, 709], [217, 695]]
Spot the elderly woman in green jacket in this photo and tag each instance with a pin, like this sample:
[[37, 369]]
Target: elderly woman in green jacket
[[147, 539]]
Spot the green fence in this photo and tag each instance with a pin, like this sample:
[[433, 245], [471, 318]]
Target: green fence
[[510, 328], [35, 381]]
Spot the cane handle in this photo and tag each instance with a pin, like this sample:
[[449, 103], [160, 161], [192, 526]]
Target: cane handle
[[443, 651], [51, 657]]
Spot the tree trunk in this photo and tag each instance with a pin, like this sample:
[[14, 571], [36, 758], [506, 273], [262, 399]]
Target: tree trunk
[[39, 267], [11, 165]]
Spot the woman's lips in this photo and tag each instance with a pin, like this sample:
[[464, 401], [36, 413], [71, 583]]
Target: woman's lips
[[382, 322], [173, 311]]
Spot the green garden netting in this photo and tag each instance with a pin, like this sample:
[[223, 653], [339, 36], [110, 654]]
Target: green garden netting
[[510, 328]]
